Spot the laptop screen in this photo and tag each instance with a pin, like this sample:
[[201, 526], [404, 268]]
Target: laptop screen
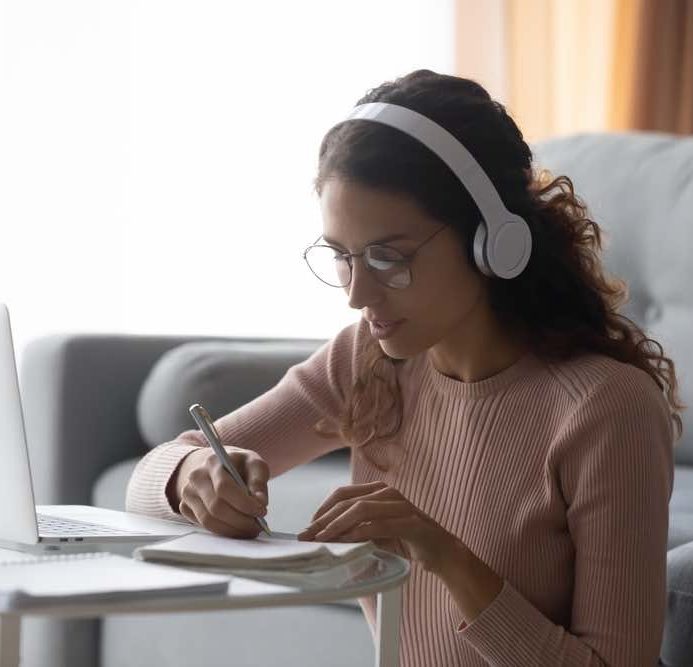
[[17, 508]]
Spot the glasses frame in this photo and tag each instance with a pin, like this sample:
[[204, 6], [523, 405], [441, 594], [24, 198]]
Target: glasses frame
[[407, 259]]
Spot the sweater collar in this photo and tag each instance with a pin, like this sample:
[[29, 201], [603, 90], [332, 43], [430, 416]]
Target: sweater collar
[[524, 366]]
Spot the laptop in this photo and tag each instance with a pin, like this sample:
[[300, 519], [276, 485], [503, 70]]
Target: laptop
[[22, 523]]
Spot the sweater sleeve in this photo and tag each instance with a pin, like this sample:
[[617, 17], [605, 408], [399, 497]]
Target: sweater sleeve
[[278, 424], [614, 466]]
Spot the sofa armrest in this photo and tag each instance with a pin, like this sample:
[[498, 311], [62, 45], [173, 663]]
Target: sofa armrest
[[79, 394]]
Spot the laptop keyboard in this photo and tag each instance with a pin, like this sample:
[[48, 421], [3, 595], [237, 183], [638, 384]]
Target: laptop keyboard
[[51, 526]]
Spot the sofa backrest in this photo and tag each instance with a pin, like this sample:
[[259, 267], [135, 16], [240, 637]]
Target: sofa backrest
[[221, 375], [639, 189]]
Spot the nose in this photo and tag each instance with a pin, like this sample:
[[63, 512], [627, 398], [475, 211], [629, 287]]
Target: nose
[[363, 290]]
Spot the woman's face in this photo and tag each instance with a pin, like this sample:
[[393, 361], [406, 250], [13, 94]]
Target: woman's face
[[446, 300]]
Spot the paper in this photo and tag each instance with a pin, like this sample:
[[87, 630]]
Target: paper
[[281, 551]]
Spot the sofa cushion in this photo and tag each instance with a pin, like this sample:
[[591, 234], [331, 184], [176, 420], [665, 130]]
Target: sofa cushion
[[109, 490], [309, 635], [677, 643], [681, 507], [222, 376], [639, 189]]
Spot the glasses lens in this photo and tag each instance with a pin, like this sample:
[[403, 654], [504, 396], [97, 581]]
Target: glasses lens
[[328, 265], [389, 266]]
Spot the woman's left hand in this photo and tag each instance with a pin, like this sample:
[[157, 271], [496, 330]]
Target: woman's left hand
[[380, 513]]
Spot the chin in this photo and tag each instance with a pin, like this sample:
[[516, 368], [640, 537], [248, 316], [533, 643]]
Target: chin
[[395, 351]]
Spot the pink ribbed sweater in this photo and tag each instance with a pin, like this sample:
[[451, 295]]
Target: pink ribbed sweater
[[557, 475]]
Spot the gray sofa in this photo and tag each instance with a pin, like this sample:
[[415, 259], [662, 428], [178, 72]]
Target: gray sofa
[[95, 403]]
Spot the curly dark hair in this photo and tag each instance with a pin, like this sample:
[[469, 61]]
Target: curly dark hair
[[564, 302]]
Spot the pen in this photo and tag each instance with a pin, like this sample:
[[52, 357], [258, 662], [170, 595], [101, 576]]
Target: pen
[[204, 421]]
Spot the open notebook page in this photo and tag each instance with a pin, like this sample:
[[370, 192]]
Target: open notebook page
[[62, 578]]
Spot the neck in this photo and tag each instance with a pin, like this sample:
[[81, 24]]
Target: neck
[[472, 358]]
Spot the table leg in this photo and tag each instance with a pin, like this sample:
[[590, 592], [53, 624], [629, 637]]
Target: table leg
[[10, 629], [387, 628]]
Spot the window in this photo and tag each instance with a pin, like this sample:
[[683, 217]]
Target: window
[[151, 149]]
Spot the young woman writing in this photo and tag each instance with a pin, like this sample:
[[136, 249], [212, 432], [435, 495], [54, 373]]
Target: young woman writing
[[511, 433]]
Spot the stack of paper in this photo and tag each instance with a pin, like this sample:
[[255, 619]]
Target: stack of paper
[[282, 551]]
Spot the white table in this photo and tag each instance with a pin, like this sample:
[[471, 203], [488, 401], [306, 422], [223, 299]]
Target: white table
[[382, 573]]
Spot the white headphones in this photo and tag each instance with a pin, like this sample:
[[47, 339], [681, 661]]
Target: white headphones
[[503, 241]]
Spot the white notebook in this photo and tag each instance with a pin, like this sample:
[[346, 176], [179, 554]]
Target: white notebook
[[65, 578], [282, 551]]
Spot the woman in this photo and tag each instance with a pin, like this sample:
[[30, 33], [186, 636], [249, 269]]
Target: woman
[[511, 434]]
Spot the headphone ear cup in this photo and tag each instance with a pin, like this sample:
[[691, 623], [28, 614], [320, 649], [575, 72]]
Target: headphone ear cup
[[480, 237], [512, 252]]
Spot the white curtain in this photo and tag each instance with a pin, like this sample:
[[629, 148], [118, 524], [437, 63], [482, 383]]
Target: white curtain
[[157, 156]]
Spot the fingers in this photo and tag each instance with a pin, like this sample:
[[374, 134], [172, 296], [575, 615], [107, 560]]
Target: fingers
[[351, 491], [202, 505], [383, 530], [224, 486], [213, 499], [347, 515], [256, 474], [195, 511]]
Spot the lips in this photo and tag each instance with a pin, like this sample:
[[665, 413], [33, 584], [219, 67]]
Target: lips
[[382, 322], [382, 329]]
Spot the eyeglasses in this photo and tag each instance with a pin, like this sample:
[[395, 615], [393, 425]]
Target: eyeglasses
[[389, 266]]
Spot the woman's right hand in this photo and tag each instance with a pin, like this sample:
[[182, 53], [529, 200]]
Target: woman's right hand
[[207, 494]]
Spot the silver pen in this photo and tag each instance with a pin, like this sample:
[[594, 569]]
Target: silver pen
[[204, 421]]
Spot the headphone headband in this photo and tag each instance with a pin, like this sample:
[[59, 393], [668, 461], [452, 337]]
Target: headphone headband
[[503, 242]]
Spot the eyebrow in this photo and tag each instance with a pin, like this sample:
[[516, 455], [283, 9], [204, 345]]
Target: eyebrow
[[384, 239]]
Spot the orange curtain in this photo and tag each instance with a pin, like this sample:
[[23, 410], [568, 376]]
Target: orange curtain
[[548, 61], [653, 66], [566, 66]]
